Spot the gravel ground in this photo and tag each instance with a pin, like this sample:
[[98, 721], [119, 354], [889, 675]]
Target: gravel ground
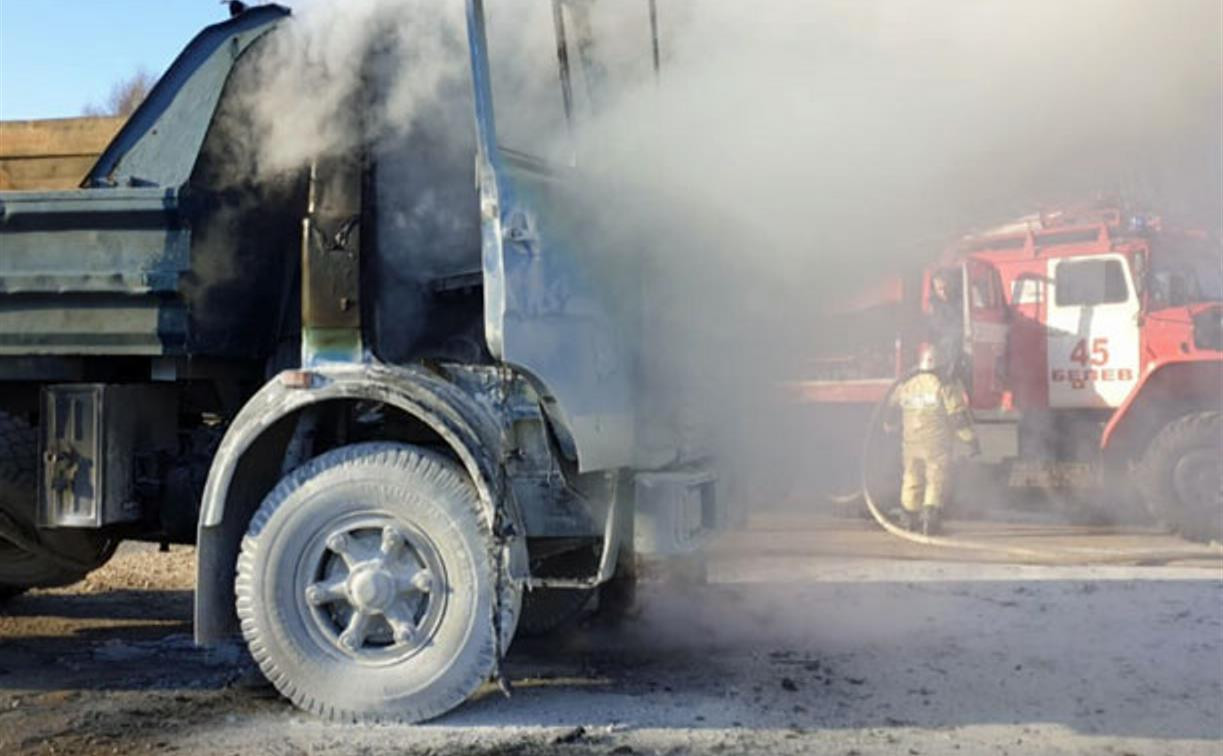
[[801, 649]]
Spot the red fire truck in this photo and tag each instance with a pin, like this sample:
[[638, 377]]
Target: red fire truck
[[1094, 335]]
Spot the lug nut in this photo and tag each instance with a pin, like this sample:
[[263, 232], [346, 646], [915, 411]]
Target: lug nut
[[338, 543], [392, 540], [316, 595], [423, 581]]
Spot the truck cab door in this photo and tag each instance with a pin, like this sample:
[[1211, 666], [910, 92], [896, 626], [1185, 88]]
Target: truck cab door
[[1092, 327], [548, 312], [986, 325]]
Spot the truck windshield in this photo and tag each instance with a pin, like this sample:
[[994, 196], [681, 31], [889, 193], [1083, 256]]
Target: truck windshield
[[556, 63], [1190, 272]]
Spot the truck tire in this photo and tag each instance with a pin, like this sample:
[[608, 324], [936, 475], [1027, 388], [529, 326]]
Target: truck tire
[[37, 560], [545, 610], [366, 586], [1181, 476]]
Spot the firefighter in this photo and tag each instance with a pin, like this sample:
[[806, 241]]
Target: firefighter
[[933, 412]]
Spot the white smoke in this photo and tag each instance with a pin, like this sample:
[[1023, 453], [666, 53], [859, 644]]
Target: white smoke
[[308, 96], [796, 152], [792, 151]]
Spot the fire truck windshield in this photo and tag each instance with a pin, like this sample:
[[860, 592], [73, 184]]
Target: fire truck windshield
[[1186, 276]]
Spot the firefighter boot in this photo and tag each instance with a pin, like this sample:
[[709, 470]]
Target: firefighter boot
[[905, 520], [931, 521]]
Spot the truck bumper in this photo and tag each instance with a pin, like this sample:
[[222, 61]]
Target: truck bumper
[[677, 512]]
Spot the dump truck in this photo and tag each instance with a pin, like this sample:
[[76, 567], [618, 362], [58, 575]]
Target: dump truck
[[393, 447], [1092, 355]]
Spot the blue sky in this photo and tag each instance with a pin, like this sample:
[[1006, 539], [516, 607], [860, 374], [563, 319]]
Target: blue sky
[[57, 56]]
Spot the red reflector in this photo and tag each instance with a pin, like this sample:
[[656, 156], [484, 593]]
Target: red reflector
[[296, 379]]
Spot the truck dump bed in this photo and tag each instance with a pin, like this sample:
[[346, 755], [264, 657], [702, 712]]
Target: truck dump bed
[[162, 252]]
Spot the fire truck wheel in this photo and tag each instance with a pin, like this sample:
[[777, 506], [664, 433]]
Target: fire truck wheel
[[545, 610], [366, 586], [1181, 476], [27, 559]]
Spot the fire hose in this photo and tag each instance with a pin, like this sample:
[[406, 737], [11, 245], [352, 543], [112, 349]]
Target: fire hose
[[1063, 555]]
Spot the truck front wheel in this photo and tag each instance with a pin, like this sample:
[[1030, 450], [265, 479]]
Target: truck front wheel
[[366, 586], [1181, 475]]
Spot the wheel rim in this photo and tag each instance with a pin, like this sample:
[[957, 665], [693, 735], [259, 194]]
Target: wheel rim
[[374, 588], [1198, 479]]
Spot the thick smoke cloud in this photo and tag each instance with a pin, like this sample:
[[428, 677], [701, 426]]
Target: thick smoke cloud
[[792, 151], [806, 150], [308, 90]]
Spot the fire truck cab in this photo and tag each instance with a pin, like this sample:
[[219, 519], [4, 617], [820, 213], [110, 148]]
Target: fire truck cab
[[1091, 346], [1100, 332]]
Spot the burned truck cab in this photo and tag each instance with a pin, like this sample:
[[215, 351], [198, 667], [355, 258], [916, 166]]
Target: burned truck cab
[[453, 456]]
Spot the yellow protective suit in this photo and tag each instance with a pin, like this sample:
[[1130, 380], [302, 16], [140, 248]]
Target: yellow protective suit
[[934, 412]]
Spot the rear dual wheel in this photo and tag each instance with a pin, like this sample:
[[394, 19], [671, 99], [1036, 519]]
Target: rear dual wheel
[[22, 569], [367, 586]]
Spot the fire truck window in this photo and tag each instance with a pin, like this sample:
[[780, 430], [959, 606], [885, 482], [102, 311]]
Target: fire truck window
[[1027, 290], [1090, 282], [982, 292]]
